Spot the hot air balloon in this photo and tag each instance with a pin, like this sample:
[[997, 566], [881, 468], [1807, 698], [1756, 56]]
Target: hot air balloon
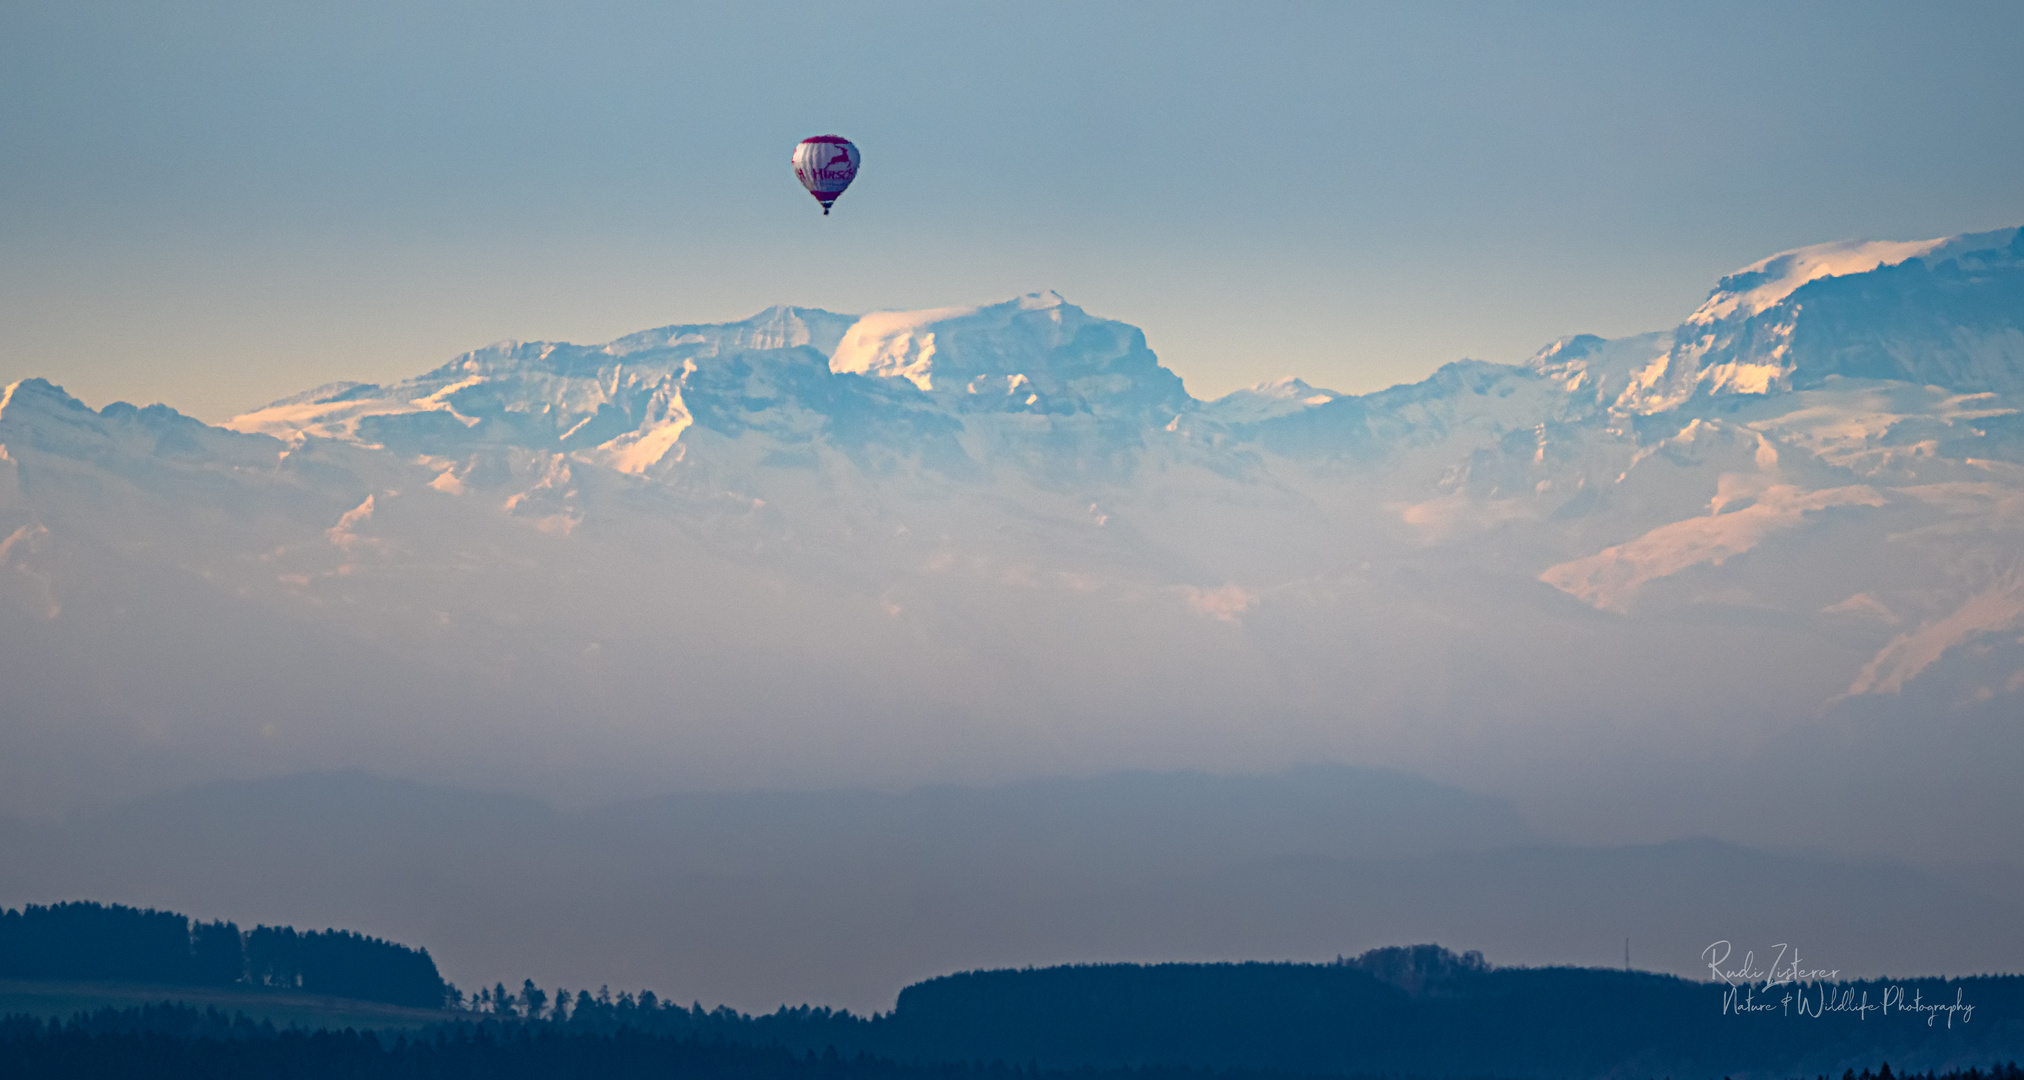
[[825, 164]]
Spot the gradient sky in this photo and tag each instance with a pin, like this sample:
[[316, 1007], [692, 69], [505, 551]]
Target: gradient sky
[[218, 204]]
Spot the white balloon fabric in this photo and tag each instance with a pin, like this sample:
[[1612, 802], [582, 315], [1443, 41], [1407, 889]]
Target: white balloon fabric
[[825, 165]]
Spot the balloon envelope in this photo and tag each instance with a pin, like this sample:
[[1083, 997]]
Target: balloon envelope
[[825, 165]]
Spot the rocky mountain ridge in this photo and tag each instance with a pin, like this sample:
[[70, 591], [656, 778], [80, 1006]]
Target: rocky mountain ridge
[[1015, 510]]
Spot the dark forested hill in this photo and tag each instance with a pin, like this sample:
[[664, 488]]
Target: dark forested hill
[[89, 941], [1419, 1011], [1448, 1018]]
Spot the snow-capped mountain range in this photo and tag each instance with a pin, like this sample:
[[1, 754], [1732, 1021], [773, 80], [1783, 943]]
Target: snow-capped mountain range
[[908, 541]]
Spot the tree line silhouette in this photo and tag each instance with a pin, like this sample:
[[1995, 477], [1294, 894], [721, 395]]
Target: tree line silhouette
[[90, 941], [171, 1042], [1418, 1010], [1425, 1010]]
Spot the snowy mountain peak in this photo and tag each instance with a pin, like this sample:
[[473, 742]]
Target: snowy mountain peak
[[1941, 312], [1768, 281], [793, 372], [37, 412], [1277, 397], [32, 395], [1036, 353], [959, 342], [1292, 388], [778, 327], [38, 415], [1563, 350]]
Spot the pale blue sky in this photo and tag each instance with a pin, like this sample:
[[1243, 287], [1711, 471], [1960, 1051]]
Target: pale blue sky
[[217, 204]]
